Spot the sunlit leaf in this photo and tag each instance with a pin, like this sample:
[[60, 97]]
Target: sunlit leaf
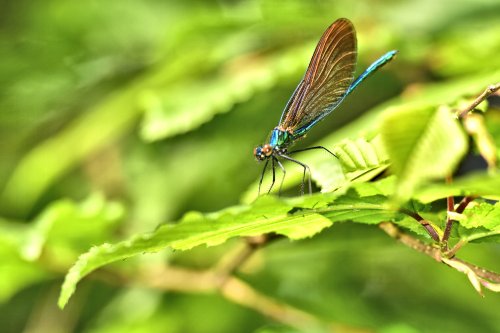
[[72, 227], [294, 218], [422, 144], [483, 215], [478, 184], [17, 272]]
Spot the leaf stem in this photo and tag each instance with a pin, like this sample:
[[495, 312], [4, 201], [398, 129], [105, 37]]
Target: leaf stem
[[451, 253], [490, 90], [464, 203], [430, 229], [450, 202], [449, 223]]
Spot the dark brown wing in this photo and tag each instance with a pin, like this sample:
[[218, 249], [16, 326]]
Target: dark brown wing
[[329, 75]]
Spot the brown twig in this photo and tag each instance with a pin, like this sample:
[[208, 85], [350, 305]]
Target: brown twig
[[449, 222], [430, 229], [490, 90], [241, 293], [477, 275], [393, 231], [46, 317], [481, 272], [464, 203], [451, 253], [450, 202], [230, 263], [221, 280], [237, 291]]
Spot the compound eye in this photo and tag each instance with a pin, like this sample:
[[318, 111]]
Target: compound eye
[[257, 152], [267, 150]]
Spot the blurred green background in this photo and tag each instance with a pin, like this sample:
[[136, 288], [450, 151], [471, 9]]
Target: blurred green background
[[117, 116]]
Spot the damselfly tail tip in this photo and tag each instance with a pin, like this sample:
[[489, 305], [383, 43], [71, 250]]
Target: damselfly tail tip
[[392, 53]]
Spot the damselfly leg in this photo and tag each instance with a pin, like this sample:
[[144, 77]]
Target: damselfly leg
[[306, 169]]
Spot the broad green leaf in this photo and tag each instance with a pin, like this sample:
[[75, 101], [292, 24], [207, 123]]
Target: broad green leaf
[[294, 218], [368, 210], [483, 215], [422, 144], [360, 159], [16, 272], [61, 232], [384, 186], [70, 228], [478, 184], [359, 155], [478, 235], [267, 215]]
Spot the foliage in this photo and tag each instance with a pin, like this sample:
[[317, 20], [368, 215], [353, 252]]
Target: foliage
[[123, 124]]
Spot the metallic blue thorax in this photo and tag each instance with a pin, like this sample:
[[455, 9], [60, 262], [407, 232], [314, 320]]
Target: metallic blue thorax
[[280, 138]]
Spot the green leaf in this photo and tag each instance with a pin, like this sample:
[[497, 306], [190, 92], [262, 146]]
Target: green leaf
[[61, 232], [483, 215], [267, 215], [384, 186], [478, 235], [294, 218], [360, 155], [478, 184], [422, 144], [371, 210], [360, 159], [72, 227], [16, 271]]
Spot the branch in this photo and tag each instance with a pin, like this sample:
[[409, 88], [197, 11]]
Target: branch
[[460, 209], [478, 276], [490, 90], [450, 202], [230, 263], [220, 280], [236, 291]]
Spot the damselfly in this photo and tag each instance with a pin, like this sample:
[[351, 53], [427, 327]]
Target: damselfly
[[329, 79]]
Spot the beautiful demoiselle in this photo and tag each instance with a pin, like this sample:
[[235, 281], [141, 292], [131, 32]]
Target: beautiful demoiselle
[[327, 81]]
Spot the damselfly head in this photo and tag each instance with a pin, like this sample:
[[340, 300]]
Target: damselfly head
[[263, 152]]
